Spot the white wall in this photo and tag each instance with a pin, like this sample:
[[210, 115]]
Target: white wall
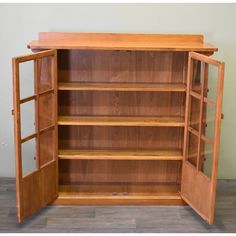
[[20, 23]]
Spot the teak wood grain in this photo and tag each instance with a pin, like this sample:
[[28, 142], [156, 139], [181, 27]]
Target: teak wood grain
[[115, 138], [121, 194], [120, 155], [121, 66], [114, 116], [150, 87], [121, 121], [194, 179], [112, 41], [119, 103], [34, 191], [118, 171], [111, 76]]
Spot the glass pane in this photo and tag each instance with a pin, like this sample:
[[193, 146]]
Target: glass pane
[[208, 126], [46, 110], [212, 82], [194, 113], [45, 74], [28, 156], [46, 147], [27, 116], [206, 158], [26, 74], [196, 76], [192, 149]]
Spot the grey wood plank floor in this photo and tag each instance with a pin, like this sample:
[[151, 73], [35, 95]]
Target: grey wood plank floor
[[119, 219]]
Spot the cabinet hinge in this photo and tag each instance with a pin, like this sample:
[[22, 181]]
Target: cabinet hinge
[[222, 116]]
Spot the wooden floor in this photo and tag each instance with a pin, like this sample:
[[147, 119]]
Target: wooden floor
[[110, 219]]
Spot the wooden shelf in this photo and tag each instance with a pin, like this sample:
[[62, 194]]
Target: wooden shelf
[[82, 86], [121, 121], [119, 193], [168, 199], [120, 155]]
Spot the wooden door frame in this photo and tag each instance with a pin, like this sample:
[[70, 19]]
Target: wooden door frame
[[216, 141], [17, 101]]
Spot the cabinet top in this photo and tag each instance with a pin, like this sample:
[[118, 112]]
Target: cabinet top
[[120, 41]]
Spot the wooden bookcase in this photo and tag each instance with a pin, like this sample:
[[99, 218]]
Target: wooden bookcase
[[121, 119]]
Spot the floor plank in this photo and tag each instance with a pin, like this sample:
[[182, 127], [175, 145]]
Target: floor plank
[[119, 219]]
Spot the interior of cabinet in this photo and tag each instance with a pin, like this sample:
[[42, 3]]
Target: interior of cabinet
[[120, 124]]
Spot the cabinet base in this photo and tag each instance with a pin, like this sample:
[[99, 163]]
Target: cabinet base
[[119, 200]]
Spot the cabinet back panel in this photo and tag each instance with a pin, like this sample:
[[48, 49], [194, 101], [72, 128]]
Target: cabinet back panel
[[96, 171], [136, 138], [121, 103], [141, 190], [121, 66]]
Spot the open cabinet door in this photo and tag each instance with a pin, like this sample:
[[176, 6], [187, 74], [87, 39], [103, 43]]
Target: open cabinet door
[[202, 133], [35, 125]]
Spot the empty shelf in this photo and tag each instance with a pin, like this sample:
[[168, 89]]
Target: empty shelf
[[120, 155], [166, 199], [119, 194], [82, 86], [121, 121]]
